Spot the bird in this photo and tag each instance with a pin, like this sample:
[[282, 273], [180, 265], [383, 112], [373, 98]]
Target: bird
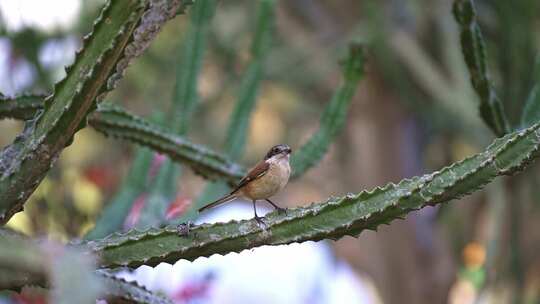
[[265, 179]]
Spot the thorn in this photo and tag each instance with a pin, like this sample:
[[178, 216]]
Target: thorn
[[281, 210], [184, 228]]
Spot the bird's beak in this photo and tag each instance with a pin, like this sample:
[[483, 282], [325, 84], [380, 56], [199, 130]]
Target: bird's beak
[[289, 151]]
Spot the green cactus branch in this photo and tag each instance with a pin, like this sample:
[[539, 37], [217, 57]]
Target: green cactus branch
[[333, 219], [122, 32], [334, 116], [164, 186], [113, 121], [531, 110], [120, 289], [251, 81], [113, 215], [474, 52], [191, 55], [22, 107], [21, 262], [238, 128], [25, 263]]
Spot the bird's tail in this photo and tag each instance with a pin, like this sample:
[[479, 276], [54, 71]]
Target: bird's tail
[[218, 202]]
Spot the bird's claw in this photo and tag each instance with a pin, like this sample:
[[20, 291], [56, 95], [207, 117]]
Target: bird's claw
[[260, 221]]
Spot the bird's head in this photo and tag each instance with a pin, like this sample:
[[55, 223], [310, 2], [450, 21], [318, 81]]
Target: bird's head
[[278, 151]]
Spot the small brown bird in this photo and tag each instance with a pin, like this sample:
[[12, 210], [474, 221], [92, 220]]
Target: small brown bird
[[263, 181]]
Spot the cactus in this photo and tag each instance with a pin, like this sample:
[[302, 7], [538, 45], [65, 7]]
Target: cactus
[[22, 262], [531, 110], [120, 289], [237, 131], [184, 102], [114, 214], [113, 121], [333, 117], [333, 219], [474, 52], [121, 33], [21, 107], [25, 263]]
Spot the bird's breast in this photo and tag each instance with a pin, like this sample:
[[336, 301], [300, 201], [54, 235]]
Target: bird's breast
[[270, 183]]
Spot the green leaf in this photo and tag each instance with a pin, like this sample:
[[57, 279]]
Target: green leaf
[[334, 116], [474, 52], [337, 217]]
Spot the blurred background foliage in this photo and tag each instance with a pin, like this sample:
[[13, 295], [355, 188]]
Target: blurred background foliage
[[415, 112]]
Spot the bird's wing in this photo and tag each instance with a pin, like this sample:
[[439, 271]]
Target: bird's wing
[[256, 172]]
